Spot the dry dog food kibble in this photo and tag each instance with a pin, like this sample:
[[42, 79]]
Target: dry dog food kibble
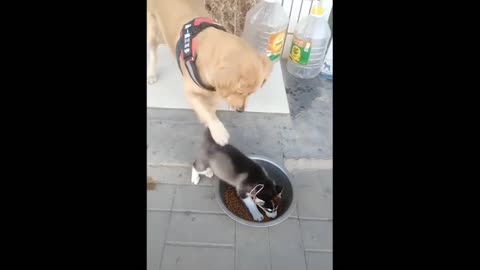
[[235, 204]]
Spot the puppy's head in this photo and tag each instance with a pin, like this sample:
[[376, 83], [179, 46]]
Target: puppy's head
[[240, 78], [269, 198]]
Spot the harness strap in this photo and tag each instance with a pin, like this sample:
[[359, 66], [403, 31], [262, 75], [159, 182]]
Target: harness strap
[[186, 47]]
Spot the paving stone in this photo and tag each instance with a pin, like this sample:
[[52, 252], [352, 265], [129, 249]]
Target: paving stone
[[201, 258], [258, 142], [308, 164], [178, 175], [319, 261], [201, 228], [157, 224], [252, 133], [295, 212], [168, 174], [173, 142], [309, 138], [314, 192], [252, 248], [256, 133], [196, 198], [286, 247], [251, 137], [307, 178], [311, 110], [317, 234], [312, 203], [161, 198]]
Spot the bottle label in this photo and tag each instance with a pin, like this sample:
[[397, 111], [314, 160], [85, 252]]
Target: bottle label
[[275, 45], [300, 51]]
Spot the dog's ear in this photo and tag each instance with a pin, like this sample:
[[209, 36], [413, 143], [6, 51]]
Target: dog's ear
[[279, 190], [226, 80]]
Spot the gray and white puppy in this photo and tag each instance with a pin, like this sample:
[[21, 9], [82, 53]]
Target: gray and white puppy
[[230, 165]]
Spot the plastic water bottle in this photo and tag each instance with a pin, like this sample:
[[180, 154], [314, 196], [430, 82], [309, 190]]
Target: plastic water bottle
[[309, 44], [266, 28]]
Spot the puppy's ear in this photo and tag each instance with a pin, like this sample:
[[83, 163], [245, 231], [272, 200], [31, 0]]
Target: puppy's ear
[[279, 190]]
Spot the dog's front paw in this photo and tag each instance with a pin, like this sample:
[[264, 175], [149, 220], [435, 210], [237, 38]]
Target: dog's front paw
[[152, 78], [257, 216], [219, 133]]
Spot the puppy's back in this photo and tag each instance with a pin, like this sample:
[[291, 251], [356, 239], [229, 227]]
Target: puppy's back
[[240, 162]]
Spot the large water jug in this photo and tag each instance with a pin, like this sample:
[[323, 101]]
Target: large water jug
[[266, 28], [309, 44]]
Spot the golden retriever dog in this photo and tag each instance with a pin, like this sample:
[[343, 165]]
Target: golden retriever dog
[[224, 61]]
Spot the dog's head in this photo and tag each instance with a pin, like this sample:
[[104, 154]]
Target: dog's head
[[239, 78], [268, 198]]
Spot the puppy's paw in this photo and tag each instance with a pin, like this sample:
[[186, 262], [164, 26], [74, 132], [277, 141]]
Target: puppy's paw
[[209, 173], [257, 216], [152, 78], [195, 177], [219, 133]]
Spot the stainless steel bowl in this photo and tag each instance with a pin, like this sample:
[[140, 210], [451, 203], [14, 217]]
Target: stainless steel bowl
[[279, 174]]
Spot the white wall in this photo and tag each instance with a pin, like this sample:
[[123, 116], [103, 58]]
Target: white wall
[[297, 9]]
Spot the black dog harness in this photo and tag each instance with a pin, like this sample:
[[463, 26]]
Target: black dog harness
[[186, 46]]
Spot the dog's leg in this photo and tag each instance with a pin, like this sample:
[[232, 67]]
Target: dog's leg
[[252, 207], [200, 168], [205, 109], [152, 75], [152, 42], [218, 131]]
